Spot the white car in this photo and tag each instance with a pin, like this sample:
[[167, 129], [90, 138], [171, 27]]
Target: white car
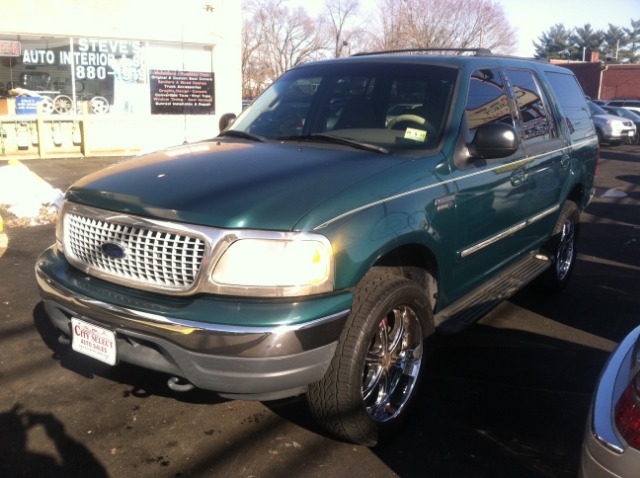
[[611, 447], [611, 129]]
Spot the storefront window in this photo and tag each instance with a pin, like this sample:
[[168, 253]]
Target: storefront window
[[108, 75]]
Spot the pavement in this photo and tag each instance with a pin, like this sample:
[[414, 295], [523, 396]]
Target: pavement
[[31, 191]]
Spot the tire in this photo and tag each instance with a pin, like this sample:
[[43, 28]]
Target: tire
[[563, 247], [373, 378]]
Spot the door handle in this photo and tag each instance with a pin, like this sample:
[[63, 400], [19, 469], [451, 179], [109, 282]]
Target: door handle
[[518, 177]]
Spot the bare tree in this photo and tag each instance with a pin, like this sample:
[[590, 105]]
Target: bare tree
[[340, 14], [445, 24], [274, 40]]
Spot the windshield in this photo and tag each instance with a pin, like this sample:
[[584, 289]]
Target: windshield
[[625, 113], [596, 110], [395, 107]]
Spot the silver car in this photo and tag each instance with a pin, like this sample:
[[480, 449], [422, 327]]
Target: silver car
[[611, 129], [611, 447]]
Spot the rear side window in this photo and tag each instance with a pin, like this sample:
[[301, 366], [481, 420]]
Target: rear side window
[[573, 103]]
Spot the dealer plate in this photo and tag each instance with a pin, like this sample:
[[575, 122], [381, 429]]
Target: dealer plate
[[94, 341]]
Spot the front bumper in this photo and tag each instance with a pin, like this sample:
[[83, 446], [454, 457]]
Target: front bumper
[[250, 349], [618, 134]]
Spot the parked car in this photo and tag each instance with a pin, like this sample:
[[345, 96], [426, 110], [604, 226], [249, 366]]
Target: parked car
[[611, 129], [631, 104], [611, 447], [628, 114], [314, 248]]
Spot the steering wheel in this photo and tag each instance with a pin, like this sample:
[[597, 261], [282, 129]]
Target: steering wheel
[[407, 118]]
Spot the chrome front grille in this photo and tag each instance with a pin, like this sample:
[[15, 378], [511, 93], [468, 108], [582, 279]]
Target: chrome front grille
[[147, 256]]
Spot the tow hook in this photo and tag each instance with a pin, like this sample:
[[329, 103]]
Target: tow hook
[[179, 385]]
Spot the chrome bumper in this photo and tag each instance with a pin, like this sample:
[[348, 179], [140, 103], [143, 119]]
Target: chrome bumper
[[249, 362]]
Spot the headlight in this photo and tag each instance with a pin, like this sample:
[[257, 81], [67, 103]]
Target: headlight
[[285, 266]]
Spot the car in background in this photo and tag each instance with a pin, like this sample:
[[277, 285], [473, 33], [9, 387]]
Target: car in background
[[611, 446], [628, 114], [630, 104], [611, 129]]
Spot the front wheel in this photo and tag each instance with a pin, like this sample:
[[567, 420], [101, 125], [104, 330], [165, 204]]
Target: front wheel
[[379, 361]]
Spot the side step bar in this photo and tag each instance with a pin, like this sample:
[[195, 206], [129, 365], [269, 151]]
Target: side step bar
[[477, 303]]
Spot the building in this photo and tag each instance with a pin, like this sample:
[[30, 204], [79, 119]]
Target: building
[[606, 81], [94, 77]]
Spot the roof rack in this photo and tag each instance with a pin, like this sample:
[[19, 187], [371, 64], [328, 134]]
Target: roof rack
[[457, 51]]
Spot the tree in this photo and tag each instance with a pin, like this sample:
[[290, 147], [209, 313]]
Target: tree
[[614, 38], [616, 43], [276, 39], [586, 39], [444, 24], [555, 44], [633, 35], [340, 14]]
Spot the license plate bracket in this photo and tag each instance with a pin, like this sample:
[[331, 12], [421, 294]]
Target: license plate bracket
[[93, 341]]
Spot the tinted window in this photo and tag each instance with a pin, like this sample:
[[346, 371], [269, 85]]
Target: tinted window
[[573, 103], [537, 124], [487, 101]]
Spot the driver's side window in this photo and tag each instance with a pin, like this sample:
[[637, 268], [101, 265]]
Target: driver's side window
[[487, 101]]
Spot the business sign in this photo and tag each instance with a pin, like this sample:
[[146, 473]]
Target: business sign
[[176, 92], [10, 48], [94, 59]]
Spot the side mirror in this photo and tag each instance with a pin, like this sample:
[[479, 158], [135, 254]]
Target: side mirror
[[225, 121], [494, 140]]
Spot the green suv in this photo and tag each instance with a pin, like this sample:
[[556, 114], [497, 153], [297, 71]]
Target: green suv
[[317, 243]]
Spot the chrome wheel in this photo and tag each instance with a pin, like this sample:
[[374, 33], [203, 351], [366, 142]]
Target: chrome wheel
[[63, 104], [392, 364], [375, 374], [566, 250], [47, 106], [563, 247], [99, 105]]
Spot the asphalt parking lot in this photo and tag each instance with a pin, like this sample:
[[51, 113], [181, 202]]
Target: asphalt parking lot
[[507, 397]]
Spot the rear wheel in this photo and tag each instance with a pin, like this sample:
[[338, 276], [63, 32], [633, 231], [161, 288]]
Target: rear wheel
[[563, 246], [379, 361]]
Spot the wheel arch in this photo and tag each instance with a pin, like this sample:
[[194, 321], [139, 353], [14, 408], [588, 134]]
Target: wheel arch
[[416, 263]]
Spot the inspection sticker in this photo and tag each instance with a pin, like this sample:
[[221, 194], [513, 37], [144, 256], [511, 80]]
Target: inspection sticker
[[94, 341], [415, 134]]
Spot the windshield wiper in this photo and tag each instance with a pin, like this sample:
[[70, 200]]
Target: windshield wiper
[[234, 133], [337, 140]]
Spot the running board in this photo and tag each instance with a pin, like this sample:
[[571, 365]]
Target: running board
[[473, 306]]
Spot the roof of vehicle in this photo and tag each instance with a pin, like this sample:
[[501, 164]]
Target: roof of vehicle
[[452, 56]]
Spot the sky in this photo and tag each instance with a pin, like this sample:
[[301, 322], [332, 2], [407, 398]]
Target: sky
[[532, 18]]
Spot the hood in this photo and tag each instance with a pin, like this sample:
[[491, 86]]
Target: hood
[[231, 183]]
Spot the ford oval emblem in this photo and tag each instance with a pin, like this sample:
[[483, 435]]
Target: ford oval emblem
[[113, 250]]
